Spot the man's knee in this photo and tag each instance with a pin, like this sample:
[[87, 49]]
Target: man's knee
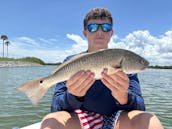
[[55, 120], [146, 121], [61, 120], [154, 122], [139, 120], [61, 115]]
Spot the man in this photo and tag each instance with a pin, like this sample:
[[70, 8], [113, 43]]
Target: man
[[114, 102]]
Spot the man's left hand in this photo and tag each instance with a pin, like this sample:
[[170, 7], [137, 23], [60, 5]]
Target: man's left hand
[[118, 83]]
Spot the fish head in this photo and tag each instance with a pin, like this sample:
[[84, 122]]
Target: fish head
[[133, 64]]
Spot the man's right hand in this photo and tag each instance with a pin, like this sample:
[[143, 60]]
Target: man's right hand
[[80, 82]]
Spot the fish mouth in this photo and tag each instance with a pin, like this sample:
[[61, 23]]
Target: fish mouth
[[145, 66], [145, 63]]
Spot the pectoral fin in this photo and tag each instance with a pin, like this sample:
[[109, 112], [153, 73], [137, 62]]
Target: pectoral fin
[[112, 70]]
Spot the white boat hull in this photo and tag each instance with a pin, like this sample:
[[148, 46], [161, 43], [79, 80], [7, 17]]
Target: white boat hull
[[33, 126]]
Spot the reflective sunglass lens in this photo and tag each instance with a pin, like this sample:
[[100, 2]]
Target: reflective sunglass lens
[[106, 27], [92, 27]]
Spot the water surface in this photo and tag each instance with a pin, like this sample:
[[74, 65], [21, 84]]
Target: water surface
[[16, 110]]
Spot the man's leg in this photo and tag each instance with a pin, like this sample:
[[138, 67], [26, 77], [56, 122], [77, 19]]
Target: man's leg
[[61, 120], [138, 120]]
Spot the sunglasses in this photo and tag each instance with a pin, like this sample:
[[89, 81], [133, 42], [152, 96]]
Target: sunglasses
[[93, 27]]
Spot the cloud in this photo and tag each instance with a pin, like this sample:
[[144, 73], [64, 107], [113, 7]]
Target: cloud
[[158, 50], [25, 43], [79, 44]]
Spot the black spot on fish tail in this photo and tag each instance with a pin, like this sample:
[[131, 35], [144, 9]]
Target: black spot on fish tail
[[41, 81]]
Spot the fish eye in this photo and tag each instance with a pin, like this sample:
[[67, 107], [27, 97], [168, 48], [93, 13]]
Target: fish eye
[[142, 61], [41, 81]]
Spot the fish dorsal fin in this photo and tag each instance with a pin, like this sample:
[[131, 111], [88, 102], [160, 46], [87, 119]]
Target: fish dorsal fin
[[71, 60]]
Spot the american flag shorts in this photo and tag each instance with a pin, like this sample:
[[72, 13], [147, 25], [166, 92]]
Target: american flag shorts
[[90, 120]]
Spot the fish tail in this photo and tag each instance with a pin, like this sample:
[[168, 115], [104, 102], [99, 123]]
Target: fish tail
[[33, 90]]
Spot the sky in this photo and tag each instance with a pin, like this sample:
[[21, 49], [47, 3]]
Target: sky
[[52, 29]]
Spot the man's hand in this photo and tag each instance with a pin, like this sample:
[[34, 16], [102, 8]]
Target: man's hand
[[79, 83], [118, 83]]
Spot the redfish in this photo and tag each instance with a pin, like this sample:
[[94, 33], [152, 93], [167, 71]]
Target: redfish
[[128, 61]]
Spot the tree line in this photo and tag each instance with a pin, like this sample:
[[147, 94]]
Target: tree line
[[6, 43]]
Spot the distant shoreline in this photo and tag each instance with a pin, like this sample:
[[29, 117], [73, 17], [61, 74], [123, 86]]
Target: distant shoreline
[[5, 64], [23, 62], [11, 64], [33, 61], [160, 67]]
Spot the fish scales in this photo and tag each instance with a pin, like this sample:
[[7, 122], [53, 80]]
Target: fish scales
[[94, 62]]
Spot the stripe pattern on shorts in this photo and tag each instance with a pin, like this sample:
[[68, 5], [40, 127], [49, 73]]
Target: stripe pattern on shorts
[[90, 120]]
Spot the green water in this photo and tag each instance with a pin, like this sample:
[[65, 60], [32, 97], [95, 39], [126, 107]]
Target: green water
[[17, 111]]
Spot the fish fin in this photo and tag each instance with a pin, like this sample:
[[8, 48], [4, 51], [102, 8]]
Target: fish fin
[[33, 90], [113, 70]]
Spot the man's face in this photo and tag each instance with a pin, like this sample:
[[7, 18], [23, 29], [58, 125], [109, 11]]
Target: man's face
[[99, 39]]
